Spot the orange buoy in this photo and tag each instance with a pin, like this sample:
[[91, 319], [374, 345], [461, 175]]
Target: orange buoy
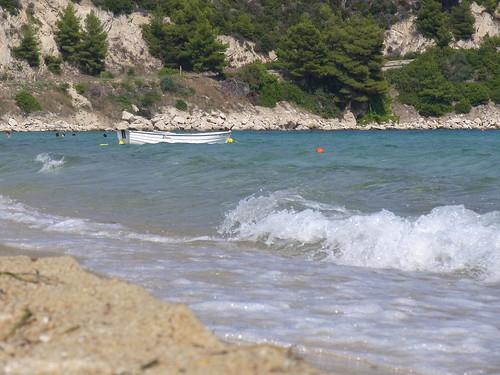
[[320, 150]]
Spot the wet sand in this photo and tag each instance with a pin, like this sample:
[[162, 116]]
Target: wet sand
[[56, 318]]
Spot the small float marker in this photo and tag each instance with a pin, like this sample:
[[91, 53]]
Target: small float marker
[[320, 150]]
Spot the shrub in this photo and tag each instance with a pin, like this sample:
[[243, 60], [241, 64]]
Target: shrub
[[181, 105], [475, 93], [149, 99], [64, 87], [463, 106], [106, 75], [27, 102], [53, 64], [11, 6], [165, 71], [80, 88]]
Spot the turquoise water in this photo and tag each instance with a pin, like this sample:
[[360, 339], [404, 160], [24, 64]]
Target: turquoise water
[[385, 249]]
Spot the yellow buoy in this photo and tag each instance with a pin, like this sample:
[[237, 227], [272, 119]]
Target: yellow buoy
[[230, 140], [121, 142]]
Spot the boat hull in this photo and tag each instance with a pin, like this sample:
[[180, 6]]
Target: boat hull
[[144, 137]]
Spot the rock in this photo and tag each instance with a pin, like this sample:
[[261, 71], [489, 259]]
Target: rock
[[135, 109], [12, 122], [350, 120], [179, 120], [127, 116]]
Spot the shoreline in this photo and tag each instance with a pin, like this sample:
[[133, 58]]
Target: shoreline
[[283, 117], [37, 264], [58, 318]]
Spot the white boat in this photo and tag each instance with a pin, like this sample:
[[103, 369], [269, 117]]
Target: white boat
[[136, 137]]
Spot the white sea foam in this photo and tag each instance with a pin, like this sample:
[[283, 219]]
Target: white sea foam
[[48, 163], [447, 239]]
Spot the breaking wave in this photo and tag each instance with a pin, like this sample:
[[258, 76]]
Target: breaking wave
[[48, 163], [448, 239]]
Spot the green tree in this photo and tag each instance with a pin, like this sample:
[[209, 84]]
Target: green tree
[[203, 51], [11, 6], [431, 18], [355, 60], [29, 49], [462, 21], [93, 48], [68, 34], [303, 52]]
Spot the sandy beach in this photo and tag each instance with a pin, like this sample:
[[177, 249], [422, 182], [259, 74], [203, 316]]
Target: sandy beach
[[58, 319]]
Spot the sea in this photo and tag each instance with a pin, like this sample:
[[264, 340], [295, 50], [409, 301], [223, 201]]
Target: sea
[[380, 255]]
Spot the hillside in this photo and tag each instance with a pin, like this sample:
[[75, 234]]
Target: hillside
[[333, 82]]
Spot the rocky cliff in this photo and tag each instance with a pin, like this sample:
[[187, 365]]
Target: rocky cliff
[[403, 37]]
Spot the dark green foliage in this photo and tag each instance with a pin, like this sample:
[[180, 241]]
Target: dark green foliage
[[64, 87], [267, 90], [430, 18], [68, 35], [80, 88], [53, 64], [116, 6], [27, 102], [463, 106], [462, 21], [29, 49], [172, 84], [11, 6], [442, 79], [93, 47], [303, 51], [166, 71], [490, 5], [189, 42], [475, 93], [354, 62], [181, 105]]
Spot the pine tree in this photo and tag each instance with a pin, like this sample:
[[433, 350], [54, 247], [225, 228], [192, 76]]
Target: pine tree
[[204, 51], [430, 18], [68, 34], [354, 60], [29, 49], [303, 52], [93, 47], [462, 21]]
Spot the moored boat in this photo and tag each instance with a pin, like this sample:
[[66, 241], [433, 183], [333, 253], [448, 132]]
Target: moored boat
[[151, 137]]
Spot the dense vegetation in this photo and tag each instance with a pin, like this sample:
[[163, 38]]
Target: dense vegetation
[[29, 49], [84, 47], [11, 6], [443, 79], [27, 102]]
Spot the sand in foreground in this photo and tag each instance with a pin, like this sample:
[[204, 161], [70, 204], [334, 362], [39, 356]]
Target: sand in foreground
[[57, 319]]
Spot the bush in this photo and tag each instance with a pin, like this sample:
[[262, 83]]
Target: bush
[[64, 87], [27, 102], [80, 88], [150, 98], [11, 6], [463, 106], [475, 93], [181, 105], [165, 71], [106, 75], [53, 64]]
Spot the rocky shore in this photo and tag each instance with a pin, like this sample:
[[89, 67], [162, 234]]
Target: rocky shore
[[56, 318], [282, 117]]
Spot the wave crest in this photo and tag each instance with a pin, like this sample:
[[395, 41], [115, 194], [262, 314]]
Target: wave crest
[[48, 163], [447, 239]]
